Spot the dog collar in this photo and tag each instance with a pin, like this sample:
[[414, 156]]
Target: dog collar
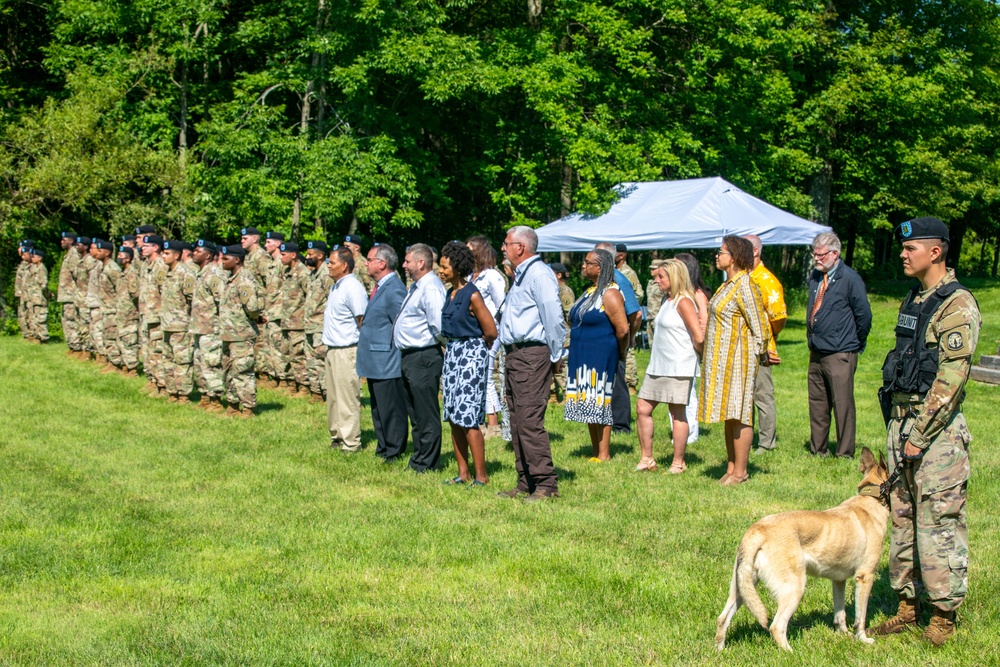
[[875, 491]]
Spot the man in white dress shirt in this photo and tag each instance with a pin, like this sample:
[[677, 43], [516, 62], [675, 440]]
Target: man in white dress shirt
[[532, 331], [345, 308], [417, 336]]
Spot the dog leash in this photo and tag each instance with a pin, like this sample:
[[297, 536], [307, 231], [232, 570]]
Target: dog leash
[[886, 486]]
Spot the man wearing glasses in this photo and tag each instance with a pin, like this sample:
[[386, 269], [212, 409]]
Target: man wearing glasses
[[838, 320]]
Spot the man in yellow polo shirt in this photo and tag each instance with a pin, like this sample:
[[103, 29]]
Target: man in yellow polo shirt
[[777, 313]]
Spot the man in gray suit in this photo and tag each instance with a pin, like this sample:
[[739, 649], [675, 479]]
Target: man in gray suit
[[378, 358]]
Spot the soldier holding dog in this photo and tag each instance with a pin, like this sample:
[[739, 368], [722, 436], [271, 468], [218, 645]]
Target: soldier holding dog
[[924, 380]]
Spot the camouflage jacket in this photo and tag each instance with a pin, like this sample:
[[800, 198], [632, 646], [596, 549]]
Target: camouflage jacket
[[108, 281], [954, 329], [567, 299], [19, 278], [94, 285], [175, 298], [633, 279], [239, 308], [34, 284], [151, 277], [259, 263], [654, 299], [315, 306], [361, 273], [67, 283], [271, 290], [127, 298], [82, 279], [294, 285], [208, 289]]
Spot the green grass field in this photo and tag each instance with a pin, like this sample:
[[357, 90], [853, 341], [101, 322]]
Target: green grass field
[[137, 532]]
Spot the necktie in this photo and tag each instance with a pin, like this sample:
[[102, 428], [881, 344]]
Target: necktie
[[819, 299], [373, 292]]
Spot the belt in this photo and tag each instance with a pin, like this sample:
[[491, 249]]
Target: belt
[[341, 347], [410, 350], [522, 346]]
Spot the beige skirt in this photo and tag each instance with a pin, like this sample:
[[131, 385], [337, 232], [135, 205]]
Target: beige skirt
[[666, 389]]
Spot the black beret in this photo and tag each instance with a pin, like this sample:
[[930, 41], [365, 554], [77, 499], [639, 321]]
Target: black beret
[[922, 228], [274, 236], [83, 240], [128, 251], [102, 244], [352, 238], [38, 252], [289, 247], [207, 245], [621, 247], [173, 245], [250, 231], [128, 237], [233, 250], [145, 229], [71, 235], [317, 245], [28, 243], [153, 239], [558, 268]]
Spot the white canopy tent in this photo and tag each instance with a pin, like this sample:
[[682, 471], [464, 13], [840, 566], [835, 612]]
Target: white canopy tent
[[694, 213]]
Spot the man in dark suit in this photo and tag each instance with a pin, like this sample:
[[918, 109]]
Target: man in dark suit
[[378, 358]]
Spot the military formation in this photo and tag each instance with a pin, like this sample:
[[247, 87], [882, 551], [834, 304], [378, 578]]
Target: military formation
[[197, 319]]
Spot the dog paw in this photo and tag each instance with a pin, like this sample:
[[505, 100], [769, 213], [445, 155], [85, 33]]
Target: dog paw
[[865, 639]]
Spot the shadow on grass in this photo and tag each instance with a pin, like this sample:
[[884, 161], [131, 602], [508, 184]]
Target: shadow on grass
[[269, 407], [719, 469], [616, 449]]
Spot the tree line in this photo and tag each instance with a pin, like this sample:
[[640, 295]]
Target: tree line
[[432, 119]]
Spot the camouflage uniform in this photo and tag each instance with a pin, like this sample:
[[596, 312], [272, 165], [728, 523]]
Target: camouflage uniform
[[315, 308], [151, 278], [631, 369], [82, 279], [271, 295], [94, 304], [175, 319], [67, 297], [208, 289], [294, 285], [36, 281], [929, 545], [566, 299], [127, 317], [261, 265], [361, 273], [20, 277], [238, 311], [654, 299], [107, 285]]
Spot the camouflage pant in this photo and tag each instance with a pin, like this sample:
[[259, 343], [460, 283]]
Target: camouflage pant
[[238, 364], [178, 355], [70, 326], [128, 346], [208, 373], [144, 347], [83, 328], [111, 349], [23, 319], [270, 347], [38, 321], [929, 540], [315, 363], [631, 370], [293, 356], [96, 331], [153, 365]]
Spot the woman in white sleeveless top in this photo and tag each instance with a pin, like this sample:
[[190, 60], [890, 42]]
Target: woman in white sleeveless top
[[673, 362]]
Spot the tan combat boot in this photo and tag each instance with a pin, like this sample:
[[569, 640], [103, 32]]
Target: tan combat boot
[[232, 411], [245, 412], [183, 399], [205, 403], [906, 617], [302, 391], [173, 398], [216, 405], [316, 398], [941, 628]]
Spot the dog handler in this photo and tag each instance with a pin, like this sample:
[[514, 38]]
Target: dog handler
[[926, 372]]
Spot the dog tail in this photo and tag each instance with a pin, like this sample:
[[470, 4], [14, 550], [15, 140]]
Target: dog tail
[[746, 576]]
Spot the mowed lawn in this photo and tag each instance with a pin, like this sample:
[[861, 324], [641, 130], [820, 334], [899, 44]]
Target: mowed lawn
[[136, 532]]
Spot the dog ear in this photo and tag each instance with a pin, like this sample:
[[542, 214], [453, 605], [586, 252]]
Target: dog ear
[[881, 462], [867, 460]]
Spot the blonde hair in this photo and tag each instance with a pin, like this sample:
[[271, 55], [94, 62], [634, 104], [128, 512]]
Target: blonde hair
[[680, 281]]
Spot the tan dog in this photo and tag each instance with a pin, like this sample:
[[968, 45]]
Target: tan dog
[[781, 549]]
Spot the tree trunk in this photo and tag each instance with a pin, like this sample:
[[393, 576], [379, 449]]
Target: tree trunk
[[182, 121], [534, 13], [996, 255], [821, 193], [957, 234], [566, 203]]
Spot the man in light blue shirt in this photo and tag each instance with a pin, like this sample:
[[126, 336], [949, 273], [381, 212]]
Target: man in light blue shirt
[[532, 331]]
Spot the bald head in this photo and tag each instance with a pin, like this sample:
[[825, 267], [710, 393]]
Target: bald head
[[757, 246]]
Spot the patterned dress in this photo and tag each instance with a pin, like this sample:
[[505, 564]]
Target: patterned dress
[[738, 333], [463, 382], [593, 361]]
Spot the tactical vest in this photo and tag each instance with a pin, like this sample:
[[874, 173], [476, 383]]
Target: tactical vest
[[911, 366]]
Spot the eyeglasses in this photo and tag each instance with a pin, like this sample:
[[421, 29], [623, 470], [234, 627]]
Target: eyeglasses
[[723, 252], [505, 244], [821, 255]]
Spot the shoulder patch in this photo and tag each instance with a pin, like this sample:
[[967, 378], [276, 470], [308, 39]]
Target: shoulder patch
[[955, 341]]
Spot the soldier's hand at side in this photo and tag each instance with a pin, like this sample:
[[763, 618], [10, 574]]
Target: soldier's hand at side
[[911, 453]]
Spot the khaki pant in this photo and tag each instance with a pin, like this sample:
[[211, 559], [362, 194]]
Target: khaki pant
[[767, 412], [343, 398]]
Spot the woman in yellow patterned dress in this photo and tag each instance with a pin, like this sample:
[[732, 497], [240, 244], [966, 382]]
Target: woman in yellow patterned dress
[[735, 344]]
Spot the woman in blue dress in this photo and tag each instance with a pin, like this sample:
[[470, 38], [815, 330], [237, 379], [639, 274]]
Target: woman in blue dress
[[598, 339], [470, 329]]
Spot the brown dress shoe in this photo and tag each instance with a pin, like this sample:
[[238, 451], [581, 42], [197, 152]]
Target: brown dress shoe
[[539, 495], [941, 628], [906, 617], [512, 493]]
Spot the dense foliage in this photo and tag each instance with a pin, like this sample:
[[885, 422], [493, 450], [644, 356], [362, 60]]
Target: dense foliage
[[433, 119]]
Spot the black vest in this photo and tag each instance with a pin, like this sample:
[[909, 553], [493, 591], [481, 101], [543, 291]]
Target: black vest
[[911, 366]]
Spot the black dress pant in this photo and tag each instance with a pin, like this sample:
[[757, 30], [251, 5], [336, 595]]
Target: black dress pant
[[621, 402], [421, 382], [389, 416]]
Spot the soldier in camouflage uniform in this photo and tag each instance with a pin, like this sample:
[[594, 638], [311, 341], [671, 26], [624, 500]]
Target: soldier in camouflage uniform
[[81, 277], [566, 299], [34, 295], [151, 276], [258, 263], [107, 288], [269, 344], [127, 311], [631, 370], [175, 319], [294, 285], [209, 286], [100, 250], [238, 311], [20, 277], [315, 307], [654, 299], [936, 336], [67, 290], [353, 243]]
